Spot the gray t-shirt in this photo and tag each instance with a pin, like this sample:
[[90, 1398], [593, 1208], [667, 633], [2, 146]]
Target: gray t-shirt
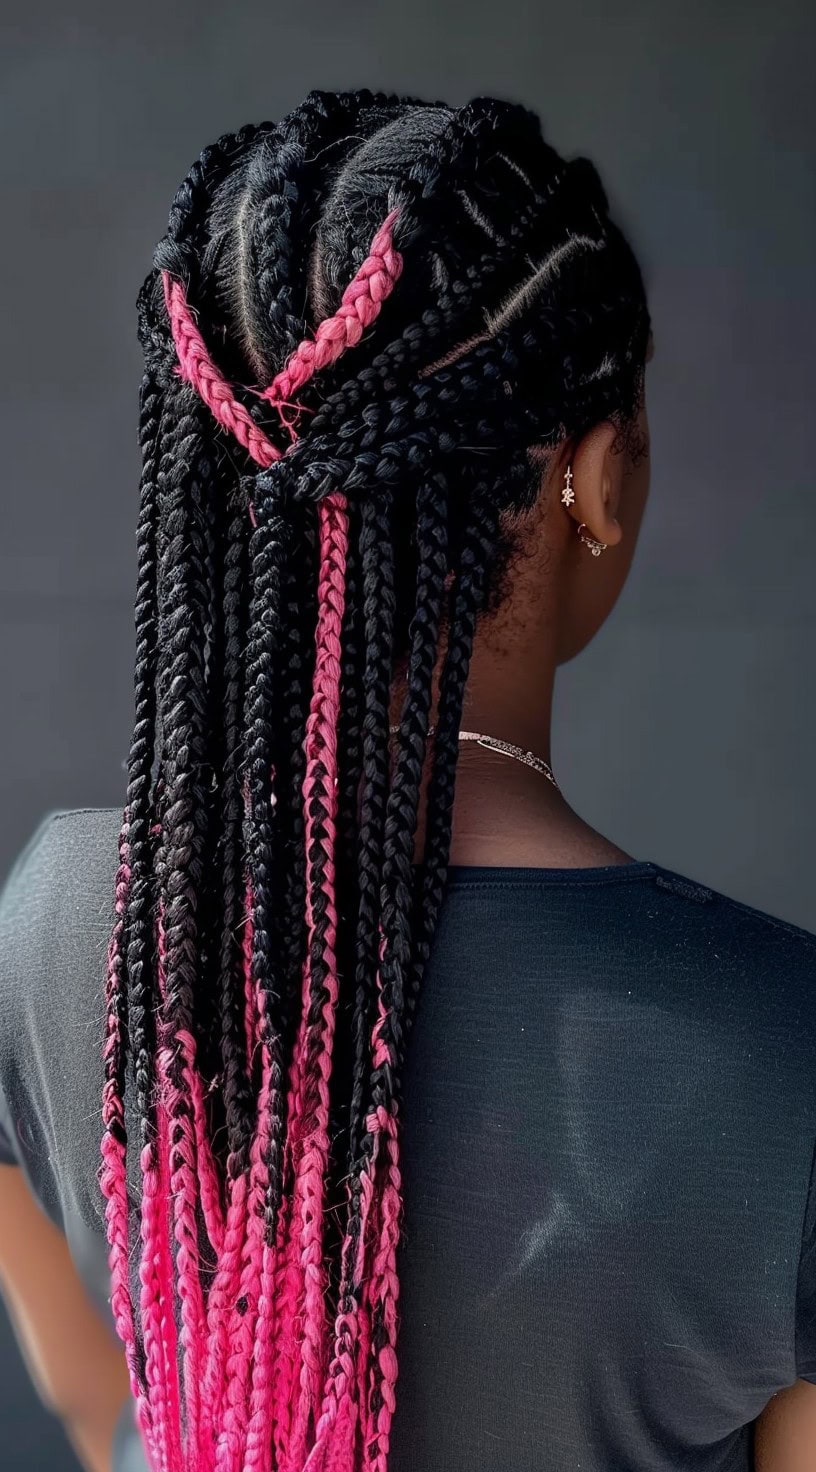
[[609, 1256]]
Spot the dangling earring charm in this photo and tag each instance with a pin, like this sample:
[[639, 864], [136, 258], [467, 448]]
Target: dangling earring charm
[[596, 548], [567, 498]]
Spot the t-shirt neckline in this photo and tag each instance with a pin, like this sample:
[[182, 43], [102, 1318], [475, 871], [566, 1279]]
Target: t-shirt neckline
[[461, 875]]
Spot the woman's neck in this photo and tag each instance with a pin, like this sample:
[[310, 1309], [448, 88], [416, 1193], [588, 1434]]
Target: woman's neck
[[507, 814]]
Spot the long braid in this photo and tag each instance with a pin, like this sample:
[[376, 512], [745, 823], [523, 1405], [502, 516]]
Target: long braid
[[296, 683], [329, 443], [379, 607], [180, 884], [467, 599], [350, 743], [142, 752], [235, 1050], [395, 956], [141, 939]]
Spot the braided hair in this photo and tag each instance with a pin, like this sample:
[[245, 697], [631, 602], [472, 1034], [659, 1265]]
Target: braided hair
[[364, 327]]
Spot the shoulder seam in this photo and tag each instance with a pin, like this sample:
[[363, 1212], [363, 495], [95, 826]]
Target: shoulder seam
[[550, 879], [787, 927], [775, 922]]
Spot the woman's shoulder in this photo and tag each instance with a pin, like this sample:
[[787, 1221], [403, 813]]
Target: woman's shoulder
[[57, 902], [682, 938], [752, 930], [56, 912], [683, 883], [67, 851]]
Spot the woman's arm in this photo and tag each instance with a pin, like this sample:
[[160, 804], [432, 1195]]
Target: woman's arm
[[77, 1366], [786, 1431]]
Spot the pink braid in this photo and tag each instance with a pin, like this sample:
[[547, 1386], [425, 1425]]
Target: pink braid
[[184, 1192], [346, 1387], [259, 1433], [348, 1384], [156, 1276], [288, 1283], [197, 367], [320, 797], [383, 1286], [352, 1378], [222, 1295], [150, 1303], [360, 306], [302, 1282], [211, 1204], [334, 1436], [225, 1290], [357, 310], [364, 1360], [113, 1174], [290, 1277], [164, 1265], [381, 1282], [230, 1455]]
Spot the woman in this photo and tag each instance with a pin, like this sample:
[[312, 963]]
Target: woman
[[395, 458]]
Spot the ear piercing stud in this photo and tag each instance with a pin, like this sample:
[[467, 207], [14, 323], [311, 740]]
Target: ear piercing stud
[[567, 498]]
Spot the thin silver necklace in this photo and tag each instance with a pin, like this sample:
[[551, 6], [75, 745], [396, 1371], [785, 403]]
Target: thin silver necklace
[[504, 748]]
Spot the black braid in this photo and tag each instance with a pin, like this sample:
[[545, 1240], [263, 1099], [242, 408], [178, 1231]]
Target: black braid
[[467, 599], [181, 683], [268, 549], [183, 806], [350, 757], [298, 661], [235, 1077], [403, 800], [138, 807], [379, 608]]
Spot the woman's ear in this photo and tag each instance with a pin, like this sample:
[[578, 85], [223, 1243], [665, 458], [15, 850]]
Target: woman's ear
[[597, 480]]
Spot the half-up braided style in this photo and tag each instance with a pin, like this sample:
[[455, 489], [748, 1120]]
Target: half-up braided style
[[366, 329]]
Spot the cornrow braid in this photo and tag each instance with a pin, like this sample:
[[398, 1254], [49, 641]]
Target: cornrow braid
[[367, 327], [279, 207]]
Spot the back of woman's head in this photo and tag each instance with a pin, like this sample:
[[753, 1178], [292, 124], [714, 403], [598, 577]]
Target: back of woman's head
[[366, 328]]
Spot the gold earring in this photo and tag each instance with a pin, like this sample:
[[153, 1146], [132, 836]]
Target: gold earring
[[596, 548], [568, 494]]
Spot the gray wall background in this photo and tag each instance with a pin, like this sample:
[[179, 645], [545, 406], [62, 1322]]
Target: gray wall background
[[685, 731]]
